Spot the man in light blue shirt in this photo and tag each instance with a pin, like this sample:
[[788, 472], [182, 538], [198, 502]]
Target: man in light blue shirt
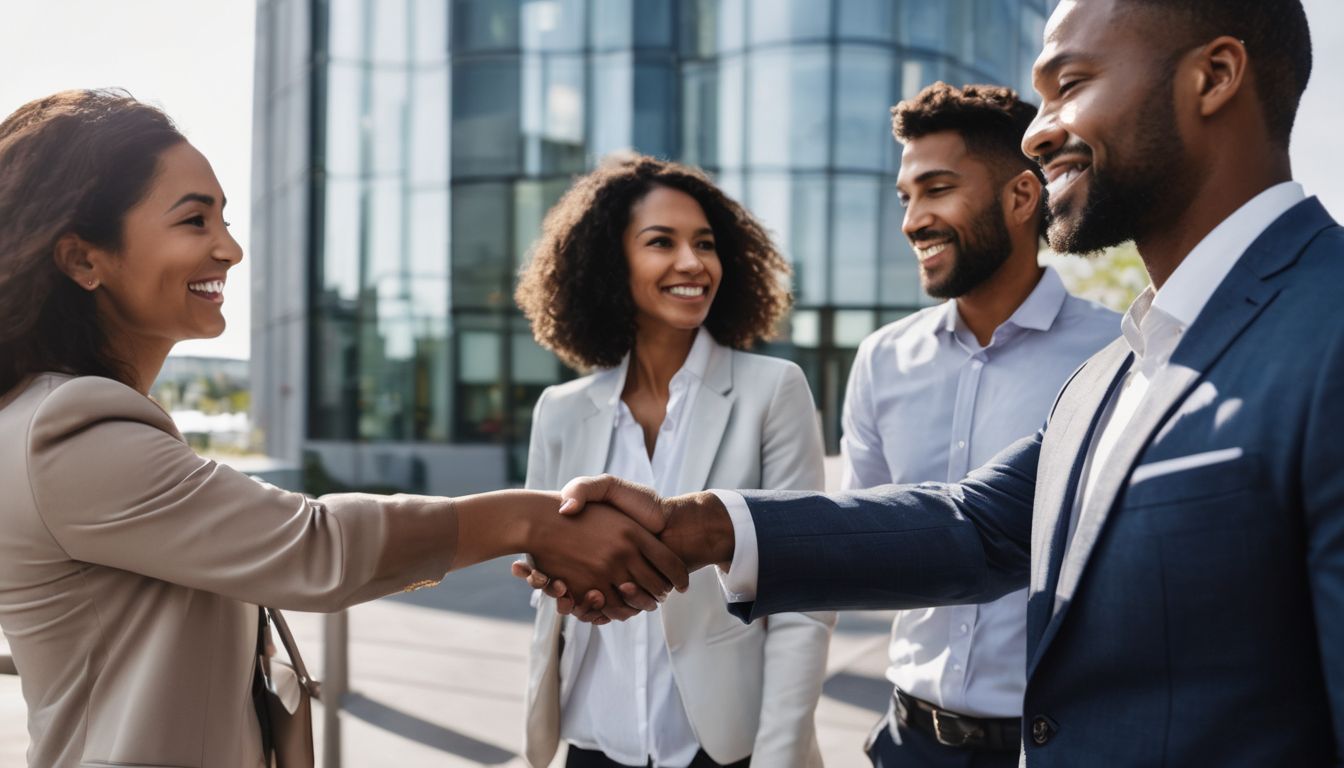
[[938, 393]]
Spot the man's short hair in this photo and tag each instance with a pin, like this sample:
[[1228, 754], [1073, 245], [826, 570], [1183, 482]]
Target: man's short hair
[[991, 119], [1276, 37]]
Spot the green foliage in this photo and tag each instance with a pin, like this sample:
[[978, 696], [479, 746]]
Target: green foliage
[[1112, 278]]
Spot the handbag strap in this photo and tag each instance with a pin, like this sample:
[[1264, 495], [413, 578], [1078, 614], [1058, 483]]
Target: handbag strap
[[292, 648]]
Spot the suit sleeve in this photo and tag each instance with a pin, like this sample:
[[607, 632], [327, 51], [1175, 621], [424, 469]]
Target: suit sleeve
[[796, 643], [897, 546], [1323, 497], [116, 486]]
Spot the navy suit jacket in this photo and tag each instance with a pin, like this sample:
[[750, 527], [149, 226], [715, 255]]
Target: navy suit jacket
[[1198, 617]]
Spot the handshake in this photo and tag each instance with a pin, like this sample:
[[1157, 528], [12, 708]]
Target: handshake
[[616, 548]]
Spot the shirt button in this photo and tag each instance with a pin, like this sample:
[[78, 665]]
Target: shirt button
[[956, 667], [977, 365], [961, 444], [964, 628]]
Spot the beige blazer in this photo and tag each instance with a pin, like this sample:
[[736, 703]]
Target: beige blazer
[[748, 689], [130, 570]]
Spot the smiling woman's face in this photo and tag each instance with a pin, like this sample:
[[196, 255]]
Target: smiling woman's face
[[166, 282], [674, 265]]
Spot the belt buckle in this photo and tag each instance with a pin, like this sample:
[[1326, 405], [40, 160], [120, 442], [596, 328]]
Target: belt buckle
[[951, 731]]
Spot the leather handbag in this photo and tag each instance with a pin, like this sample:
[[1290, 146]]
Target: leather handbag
[[286, 692]]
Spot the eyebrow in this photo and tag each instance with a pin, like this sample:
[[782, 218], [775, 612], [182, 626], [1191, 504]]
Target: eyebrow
[[196, 197], [1057, 62], [671, 231], [931, 175]]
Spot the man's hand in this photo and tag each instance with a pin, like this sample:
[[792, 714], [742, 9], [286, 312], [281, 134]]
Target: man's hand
[[695, 527], [622, 566]]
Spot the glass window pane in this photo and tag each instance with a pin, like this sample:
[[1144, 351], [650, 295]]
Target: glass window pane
[[854, 239], [347, 21], [485, 118], [899, 271], [868, 20], [388, 142], [342, 236], [427, 232], [919, 73], [779, 20], [531, 363], [925, 25], [345, 111], [794, 209], [865, 92], [552, 117], [391, 31], [852, 326], [553, 25], [1029, 47], [480, 245], [613, 23], [485, 25], [655, 107], [612, 120], [429, 30], [995, 43], [655, 21], [429, 126], [790, 108], [712, 26]]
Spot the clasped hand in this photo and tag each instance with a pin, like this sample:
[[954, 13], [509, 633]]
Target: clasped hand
[[616, 568]]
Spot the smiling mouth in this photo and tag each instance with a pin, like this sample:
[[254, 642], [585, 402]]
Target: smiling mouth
[[1061, 177], [929, 251], [208, 289], [688, 291]]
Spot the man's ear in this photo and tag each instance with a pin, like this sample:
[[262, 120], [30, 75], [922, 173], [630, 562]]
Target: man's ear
[[1219, 73], [1022, 198], [79, 260]]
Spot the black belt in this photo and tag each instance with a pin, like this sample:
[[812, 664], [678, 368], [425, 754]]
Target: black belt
[[993, 734]]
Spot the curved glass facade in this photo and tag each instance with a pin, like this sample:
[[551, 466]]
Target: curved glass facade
[[442, 131]]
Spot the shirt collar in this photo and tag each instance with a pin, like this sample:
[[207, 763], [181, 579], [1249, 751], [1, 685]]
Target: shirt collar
[[1195, 279], [692, 369], [1036, 313]]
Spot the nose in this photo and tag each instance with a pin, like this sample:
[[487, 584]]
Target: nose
[[1044, 135], [688, 260], [917, 217], [228, 250]]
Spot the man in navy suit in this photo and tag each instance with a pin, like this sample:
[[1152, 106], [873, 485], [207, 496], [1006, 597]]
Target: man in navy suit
[[1179, 521]]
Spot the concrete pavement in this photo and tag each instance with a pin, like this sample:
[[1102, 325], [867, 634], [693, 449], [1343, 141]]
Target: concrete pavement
[[437, 678]]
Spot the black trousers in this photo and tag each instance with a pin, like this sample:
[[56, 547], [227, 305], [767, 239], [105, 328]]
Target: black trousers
[[591, 758], [919, 750]]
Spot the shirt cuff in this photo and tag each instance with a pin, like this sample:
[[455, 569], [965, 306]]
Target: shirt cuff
[[739, 581]]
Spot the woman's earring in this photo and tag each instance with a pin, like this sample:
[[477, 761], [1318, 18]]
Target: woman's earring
[[93, 284]]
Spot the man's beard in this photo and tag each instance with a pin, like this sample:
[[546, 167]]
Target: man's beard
[[986, 247], [1128, 202]]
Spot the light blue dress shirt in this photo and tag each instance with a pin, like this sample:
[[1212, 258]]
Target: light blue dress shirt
[[927, 403]]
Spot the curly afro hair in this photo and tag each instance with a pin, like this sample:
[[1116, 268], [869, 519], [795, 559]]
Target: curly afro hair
[[575, 288]]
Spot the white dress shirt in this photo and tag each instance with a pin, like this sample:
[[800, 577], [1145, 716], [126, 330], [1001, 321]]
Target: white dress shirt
[[926, 402], [624, 701], [1156, 321]]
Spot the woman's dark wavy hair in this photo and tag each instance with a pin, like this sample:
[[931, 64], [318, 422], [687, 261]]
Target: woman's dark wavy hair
[[71, 163], [575, 289]]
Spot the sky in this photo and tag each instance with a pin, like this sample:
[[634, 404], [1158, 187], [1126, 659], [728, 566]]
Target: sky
[[193, 58]]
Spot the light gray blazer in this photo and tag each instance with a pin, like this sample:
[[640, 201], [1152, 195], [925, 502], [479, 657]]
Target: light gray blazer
[[130, 570], [748, 689]]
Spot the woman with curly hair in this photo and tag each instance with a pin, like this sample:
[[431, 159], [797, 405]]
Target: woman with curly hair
[[648, 272], [131, 568]]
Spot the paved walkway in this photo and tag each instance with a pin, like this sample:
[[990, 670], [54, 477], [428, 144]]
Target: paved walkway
[[437, 679]]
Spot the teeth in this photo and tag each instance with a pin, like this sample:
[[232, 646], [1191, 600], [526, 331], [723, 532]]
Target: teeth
[[207, 286], [687, 290], [930, 252], [1064, 179]]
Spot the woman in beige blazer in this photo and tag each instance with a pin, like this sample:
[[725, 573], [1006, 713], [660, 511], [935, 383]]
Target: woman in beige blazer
[[130, 567], [646, 270]]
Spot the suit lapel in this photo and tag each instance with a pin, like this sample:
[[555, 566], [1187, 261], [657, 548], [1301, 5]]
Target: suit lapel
[[1237, 302], [1059, 471], [708, 421]]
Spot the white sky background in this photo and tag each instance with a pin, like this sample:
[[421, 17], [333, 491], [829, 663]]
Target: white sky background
[[193, 58]]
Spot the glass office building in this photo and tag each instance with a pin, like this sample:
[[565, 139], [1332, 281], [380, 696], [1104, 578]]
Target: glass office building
[[407, 150]]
